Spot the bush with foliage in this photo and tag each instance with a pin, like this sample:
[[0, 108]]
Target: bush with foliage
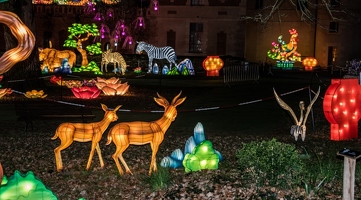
[[270, 163]]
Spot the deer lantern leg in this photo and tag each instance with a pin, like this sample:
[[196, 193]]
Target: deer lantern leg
[[139, 133], [83, 132]]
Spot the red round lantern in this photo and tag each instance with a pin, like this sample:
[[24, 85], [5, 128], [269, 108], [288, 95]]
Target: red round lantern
[[309, 63], [212, 65]]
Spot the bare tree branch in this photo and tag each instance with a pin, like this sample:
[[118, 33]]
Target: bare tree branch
[[307, 12]]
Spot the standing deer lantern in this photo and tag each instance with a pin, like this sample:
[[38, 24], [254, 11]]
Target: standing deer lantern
[[140, 133], [83, 132]]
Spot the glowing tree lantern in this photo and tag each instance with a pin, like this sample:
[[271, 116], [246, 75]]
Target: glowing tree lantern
[[25, 38], [342, 108], [80, 33], [212, 65], [25, 186], [309, 63]]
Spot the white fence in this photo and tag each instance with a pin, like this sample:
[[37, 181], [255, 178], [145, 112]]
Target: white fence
[[244, 72]]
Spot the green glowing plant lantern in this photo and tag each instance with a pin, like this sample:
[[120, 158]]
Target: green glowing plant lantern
[[79, 33], [25, 186], [202, 157]]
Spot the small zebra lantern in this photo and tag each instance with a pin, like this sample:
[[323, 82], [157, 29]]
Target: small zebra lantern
[[153, 52]]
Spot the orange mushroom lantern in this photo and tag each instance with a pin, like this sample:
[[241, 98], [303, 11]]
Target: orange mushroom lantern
[[212, 65], [309, 63]]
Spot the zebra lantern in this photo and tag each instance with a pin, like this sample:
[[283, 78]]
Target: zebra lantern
[[153, 52]]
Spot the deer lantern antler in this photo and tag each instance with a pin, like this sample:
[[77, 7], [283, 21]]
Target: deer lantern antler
[[140, 133], [83, 132], [300, 127]]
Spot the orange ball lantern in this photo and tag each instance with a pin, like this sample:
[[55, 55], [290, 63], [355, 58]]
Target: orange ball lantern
[[212, 65], [309, 63]]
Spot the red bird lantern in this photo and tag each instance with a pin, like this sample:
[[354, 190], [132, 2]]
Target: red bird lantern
[[309, 63], [342, 108], [212, 65]]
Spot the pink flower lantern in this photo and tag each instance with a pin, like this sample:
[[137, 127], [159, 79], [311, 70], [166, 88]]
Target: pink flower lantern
[[86, 92]]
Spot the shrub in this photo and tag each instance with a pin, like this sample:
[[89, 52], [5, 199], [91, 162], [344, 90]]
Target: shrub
[[270, 163], [160, 179]]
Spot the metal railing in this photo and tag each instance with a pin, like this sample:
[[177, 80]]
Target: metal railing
[[244, 72]]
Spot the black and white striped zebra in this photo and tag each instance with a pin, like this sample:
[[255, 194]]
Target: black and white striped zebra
[[153, 52]]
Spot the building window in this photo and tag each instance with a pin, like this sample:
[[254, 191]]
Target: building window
[[335, 3], [171, 37], [195, 37], [197, 3], [259, 4], [333, 27], [302, 5]]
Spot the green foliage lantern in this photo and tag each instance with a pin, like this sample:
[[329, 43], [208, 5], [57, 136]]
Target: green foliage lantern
[[25, 186], [80, 33], [202, 157]]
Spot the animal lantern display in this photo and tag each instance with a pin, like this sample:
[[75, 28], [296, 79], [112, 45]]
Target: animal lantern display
[[140, 133], [83, 132], [341, 107], [286, 52], [53, 59], [157, 53], [25, 38], [115, 58], [300, 127]]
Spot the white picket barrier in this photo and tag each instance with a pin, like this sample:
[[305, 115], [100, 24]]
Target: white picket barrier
[[243, 72]]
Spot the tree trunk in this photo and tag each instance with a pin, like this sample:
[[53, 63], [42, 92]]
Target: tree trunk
[[84, 57]]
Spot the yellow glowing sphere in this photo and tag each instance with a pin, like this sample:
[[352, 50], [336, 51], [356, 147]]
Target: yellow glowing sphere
[[309, 62], [212, 64]]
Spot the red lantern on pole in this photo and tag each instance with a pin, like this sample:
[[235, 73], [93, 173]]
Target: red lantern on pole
[[212, 65], [309, 63]]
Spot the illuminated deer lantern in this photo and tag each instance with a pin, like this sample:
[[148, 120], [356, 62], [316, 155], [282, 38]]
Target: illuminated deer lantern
[[83, 132], [139, 133]]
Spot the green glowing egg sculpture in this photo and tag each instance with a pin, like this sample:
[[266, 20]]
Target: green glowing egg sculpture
[[29, 187]]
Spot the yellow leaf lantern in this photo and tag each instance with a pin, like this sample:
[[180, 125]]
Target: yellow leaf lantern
[[309, 63], [212, 65]]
